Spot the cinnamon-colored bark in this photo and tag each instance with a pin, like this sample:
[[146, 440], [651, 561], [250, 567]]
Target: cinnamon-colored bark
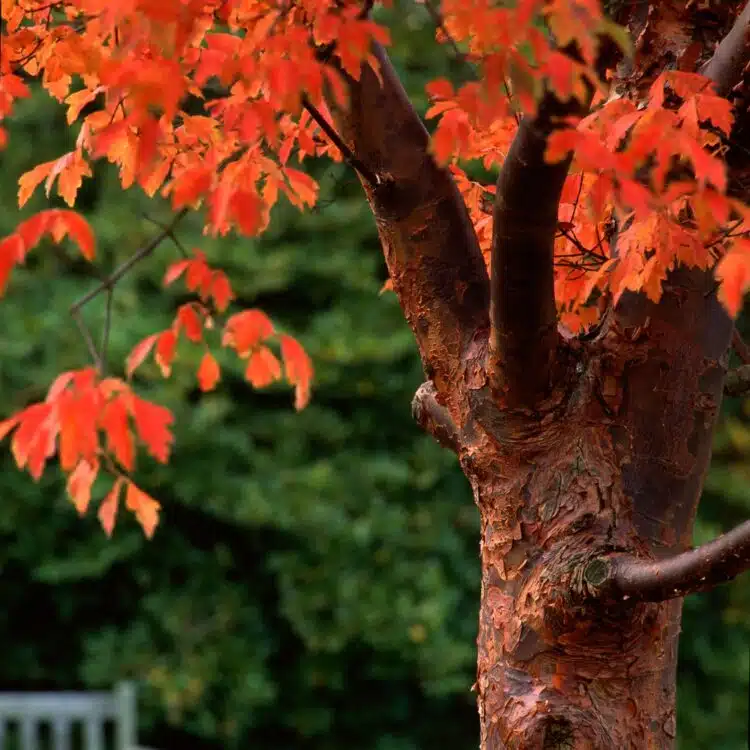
[[586, 458]]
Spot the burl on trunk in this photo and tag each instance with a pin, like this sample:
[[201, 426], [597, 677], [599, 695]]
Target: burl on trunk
[[586, 455]]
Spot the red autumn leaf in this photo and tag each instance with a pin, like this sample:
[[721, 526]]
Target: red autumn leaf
[[191, 185], [175, 271], [208, 372], [11, 251], [152, 423], [80, 482], [245, 330], [199, 275], [245, 207], [34, 440], [733, 272], [144, 506], [221, 291], [299, 370], [58, 223], [77, 414], [189, 320], [108, 508], [166, 345], [139, 354], [114, 420], [263, 368], [303, 186]]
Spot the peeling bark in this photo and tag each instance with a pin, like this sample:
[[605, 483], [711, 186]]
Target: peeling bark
[[586, 457]]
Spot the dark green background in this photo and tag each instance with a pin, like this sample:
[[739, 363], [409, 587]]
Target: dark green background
[[314, 582]]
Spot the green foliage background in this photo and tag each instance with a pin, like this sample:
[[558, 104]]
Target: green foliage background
[[314, 582]]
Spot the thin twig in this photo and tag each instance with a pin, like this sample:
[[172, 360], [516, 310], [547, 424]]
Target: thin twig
[[123, 268], [87, 337], [337, 141], [105, 331]]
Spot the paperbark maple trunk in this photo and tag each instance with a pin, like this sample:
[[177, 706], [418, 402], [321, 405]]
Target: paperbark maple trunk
[[613, 462], [600, 452]]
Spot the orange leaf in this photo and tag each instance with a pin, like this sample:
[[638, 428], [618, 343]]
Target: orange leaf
[[166, 344], [31, 180], [11, 247], [144, 506], [77, 414], [79, 484], [108, 508], [175, 271], [263, 368], [245, 207], [152, 422], [34, 440], [208, 372], [221, 291], [114, 422], [188, 319], [245, 330], [299, 370], [139, 353], [733, 271]]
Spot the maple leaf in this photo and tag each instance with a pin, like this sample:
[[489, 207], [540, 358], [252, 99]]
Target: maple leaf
[[733, 272], [108, 509], [262, 368], [152, 423], [139, 353], [12, 249], [166, 346], [208, 372], [144, 506], [245, 330], [80, 482], [299, 370], [59, 223], [114, 420], [189, 320]]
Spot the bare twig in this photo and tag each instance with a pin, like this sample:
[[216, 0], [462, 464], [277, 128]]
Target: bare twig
[[105, 331], [123, 268], [337, 141], [88, 338]]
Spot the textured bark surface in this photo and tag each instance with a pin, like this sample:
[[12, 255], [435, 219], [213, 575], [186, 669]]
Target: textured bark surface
[[577, 450]]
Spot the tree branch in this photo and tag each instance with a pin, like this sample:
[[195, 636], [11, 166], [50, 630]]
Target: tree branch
[[434, 418], [698, 569], [731, 56], [429, 243], [523, 313]]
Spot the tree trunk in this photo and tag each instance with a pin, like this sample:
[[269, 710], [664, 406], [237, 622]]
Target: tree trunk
[[586, 455], [614, 462]]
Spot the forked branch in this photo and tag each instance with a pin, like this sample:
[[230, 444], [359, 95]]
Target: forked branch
[[697, 569], [429, 243]]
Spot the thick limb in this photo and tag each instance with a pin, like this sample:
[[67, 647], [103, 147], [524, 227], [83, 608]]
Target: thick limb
[[695, 570], [429, 243]]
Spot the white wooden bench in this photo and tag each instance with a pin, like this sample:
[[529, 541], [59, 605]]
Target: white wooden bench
[[69, 720]]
